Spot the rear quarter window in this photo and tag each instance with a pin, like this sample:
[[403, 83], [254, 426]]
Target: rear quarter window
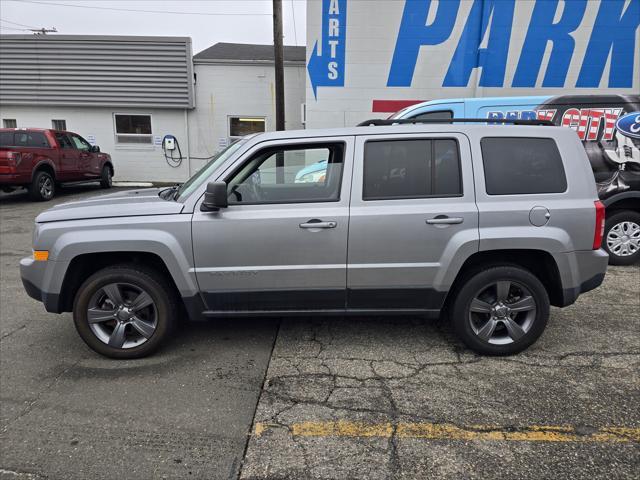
[[31, 139], [6, 139], [522, 165]]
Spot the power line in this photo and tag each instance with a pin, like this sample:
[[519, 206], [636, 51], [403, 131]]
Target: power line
[[16, 23], [293, 14], [140, 10], [2, 27]]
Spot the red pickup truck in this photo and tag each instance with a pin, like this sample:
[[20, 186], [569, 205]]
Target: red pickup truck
[[40, 159]]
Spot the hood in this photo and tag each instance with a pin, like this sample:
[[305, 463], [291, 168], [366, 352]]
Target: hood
[[129, 203]]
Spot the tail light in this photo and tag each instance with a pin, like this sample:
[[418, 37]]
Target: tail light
[[10, 161], [599, 230]]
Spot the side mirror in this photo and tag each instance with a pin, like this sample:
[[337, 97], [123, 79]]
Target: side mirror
[[95, 149], [215, 197]]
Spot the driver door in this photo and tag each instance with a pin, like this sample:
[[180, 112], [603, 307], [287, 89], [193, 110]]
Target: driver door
[[88, 166], [281, 245]]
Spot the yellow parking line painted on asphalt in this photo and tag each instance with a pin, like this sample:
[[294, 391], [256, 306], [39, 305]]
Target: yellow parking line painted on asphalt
[[446, 431]]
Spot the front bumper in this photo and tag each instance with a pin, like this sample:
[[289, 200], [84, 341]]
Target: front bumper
[[33, 276]]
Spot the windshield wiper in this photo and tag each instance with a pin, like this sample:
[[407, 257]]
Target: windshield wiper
[[169, 193]]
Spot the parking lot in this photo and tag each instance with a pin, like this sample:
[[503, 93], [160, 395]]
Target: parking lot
[[330, 398]]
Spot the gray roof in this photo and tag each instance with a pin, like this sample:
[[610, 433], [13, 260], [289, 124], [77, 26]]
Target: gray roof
[[246, 52]]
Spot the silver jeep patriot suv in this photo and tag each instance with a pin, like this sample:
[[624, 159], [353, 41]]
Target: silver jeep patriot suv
[[493, 223]]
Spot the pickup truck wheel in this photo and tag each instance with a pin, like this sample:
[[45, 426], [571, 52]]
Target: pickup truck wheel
[[622, 237], [501, 310], [43, 186], [124, 311], [106, 177]]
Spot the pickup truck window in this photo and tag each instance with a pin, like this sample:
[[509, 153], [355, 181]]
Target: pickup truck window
[[80, 143], [63, 140], [397, 169], [31, 139], [291, 174]]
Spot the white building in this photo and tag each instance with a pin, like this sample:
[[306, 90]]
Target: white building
[[121, 93], [126, 93], [235, 94]]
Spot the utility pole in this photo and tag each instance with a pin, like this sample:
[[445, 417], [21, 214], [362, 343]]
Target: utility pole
[[279, 63]]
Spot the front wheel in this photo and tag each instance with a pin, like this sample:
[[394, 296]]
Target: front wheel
[[124, 311], [622, 237], [501, 310], [106, 178]]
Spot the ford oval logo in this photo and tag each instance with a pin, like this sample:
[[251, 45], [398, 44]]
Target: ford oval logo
[[629, 125]]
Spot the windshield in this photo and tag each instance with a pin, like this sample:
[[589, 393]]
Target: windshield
[[205, 172]]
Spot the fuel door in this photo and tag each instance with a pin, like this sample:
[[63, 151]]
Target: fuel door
[[539, 216]]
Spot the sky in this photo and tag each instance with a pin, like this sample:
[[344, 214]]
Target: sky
[[205, 21]]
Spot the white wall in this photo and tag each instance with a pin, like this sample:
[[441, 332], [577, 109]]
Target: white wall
[[131, 162], [224, 90]]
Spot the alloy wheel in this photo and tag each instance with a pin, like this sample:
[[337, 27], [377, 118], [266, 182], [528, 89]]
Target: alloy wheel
[[122, 315], [502, 312], [45, 186]]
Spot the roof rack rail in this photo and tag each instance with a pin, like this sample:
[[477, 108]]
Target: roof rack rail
[[403, 121]]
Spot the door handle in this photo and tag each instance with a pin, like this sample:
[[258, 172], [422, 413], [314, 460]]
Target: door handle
[[445, 220], [318, 224]]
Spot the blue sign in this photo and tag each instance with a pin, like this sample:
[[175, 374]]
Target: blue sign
[[613, 36], [629, 125], [327, 69]]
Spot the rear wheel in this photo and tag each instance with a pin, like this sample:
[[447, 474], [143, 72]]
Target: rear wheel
[[43, 186], [501, 310], [106, 177], [124, 311], [622, 237]]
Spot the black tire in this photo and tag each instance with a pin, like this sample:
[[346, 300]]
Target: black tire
[[106, 177], [43, 186], [147, 280], [481, 281], [620, 222]]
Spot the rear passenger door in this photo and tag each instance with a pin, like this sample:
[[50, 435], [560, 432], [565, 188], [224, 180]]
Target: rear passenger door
[[69, 157], [413, 220]]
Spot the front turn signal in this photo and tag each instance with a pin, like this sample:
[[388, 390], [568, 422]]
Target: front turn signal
[[41, 255]]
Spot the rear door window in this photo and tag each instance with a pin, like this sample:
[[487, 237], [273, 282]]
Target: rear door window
[[64, 141], [397, 169], [522, 165]]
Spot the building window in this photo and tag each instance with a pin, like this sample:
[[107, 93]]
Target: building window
[[133, 129], [9, 123], [241, 126], [59, 124]]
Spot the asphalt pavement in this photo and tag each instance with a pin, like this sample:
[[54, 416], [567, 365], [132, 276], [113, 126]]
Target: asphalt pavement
[[326, 398]]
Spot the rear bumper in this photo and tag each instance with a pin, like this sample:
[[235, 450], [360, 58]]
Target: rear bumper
[[15, 179], [587, 271]]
